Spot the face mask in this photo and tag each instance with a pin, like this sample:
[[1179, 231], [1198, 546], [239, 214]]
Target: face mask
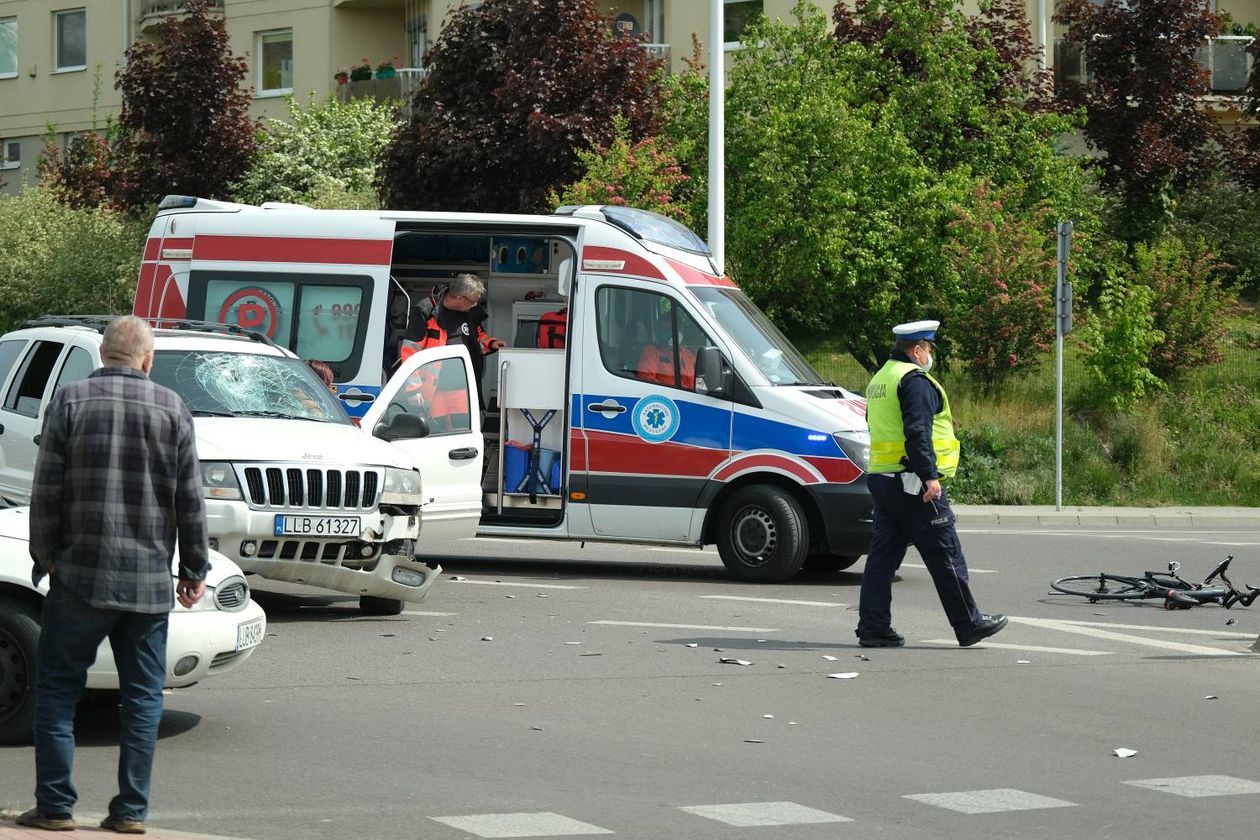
[[928, 364]]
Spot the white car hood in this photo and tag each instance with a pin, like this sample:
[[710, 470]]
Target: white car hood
[[273, 439], [15, 557]]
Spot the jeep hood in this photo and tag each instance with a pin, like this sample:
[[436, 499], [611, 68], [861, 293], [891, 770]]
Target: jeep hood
[[274, 439]]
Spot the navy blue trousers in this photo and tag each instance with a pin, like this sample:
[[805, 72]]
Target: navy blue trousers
[[902, 519]]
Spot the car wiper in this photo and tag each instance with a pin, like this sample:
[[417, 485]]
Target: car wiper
[[281, 415], [206, 412]]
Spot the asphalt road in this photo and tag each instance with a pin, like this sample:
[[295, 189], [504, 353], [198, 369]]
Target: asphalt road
[[557, 690]]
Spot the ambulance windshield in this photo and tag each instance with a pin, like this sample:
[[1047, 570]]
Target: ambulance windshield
[[752, 332]]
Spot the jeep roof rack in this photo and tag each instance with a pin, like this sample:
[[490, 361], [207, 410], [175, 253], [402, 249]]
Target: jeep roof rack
[[101, 322]]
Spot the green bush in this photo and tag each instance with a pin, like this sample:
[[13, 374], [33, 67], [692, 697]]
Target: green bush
[[1120, 336], [326, 149], [1188, 303], [59, 259], [1226, 217]]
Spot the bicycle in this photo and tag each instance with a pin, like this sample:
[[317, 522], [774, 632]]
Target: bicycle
[[1178, 594]]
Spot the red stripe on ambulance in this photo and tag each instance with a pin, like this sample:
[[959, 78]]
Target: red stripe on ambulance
[[293, 249], [629, 454], [768, 460], [605, 260]]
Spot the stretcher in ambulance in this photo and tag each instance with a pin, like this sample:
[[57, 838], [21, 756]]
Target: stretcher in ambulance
[[667, 410]]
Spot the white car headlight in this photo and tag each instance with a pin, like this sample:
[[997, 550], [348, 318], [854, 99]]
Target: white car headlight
[[857, 446], [218, 480], [402, 487]]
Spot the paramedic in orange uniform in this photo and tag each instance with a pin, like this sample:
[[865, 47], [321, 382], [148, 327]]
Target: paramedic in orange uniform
[[657, 361]]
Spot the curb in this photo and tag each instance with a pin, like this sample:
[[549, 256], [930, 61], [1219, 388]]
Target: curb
[[1045, 516]]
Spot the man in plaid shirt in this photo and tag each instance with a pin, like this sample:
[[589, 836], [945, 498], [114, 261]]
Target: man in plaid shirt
[[116, 484]]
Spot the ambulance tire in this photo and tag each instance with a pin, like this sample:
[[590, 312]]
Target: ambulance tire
[[374, 605], [826, 562], [762, 534]]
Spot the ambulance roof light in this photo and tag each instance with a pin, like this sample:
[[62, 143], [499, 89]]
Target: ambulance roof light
[[653, 227], [176, 202]]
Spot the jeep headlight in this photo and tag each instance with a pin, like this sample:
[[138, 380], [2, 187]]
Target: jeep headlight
[[402, 487], [857, 447], [218, 480]]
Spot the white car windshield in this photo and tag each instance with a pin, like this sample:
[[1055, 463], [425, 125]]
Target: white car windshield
[[217, 384], [753, 333]]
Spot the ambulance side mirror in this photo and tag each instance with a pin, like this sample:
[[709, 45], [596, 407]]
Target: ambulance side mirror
[[402, 427], [713, 376]]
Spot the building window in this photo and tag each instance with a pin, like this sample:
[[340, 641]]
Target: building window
[[12, 156], [418, 28], [71, 32], [8, 48], [275, 62], [737, 15]]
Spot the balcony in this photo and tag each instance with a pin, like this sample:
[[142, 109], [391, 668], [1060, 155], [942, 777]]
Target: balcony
[[399, 87], [1224, 56], [163, 8], [658, 51]]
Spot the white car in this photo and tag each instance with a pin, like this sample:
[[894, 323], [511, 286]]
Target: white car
[[215, 635]]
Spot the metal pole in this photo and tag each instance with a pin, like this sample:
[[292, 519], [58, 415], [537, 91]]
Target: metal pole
[[717, 148]]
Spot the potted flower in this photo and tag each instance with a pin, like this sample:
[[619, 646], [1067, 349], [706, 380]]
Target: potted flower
[[361, 71], [386, 69], [342, 76]]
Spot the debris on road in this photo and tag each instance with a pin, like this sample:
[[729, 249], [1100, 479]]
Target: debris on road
[[1123, 752], [692, 645], [753, 741], [829, 658], [726, 660], [847, 675], [487, 638], [1230, 621], [1211, 697], [457, 577]]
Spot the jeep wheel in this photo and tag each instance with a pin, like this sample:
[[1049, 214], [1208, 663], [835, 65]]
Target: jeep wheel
[[19, 638]]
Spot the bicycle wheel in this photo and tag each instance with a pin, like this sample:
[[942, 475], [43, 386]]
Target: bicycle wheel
[[1103, 587]]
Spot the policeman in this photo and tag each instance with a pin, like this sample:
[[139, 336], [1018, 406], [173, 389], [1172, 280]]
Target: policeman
[[913, 449]]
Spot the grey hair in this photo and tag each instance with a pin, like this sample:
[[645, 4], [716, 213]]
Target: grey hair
[[468, 285], [127, 340]]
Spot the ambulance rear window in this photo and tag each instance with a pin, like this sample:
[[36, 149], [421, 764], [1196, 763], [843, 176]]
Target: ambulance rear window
[[653, 227]]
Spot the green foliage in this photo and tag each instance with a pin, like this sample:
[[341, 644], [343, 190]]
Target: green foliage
[[60, 259], [643, 174], [1002, 320], [846, 156], [323, 149], [685, 125], [80, 175], [1120, 336], [1188, 303], [1227, 218]]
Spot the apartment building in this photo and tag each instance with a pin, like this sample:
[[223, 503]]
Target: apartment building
[[58, 57]]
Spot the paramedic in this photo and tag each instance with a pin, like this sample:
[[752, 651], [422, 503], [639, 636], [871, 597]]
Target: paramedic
[[658, 362], [453, 315], [913, 449]]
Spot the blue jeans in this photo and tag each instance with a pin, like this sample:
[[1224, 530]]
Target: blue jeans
[[71, 632]]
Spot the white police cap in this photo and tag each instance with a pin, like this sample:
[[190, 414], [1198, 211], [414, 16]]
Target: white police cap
[[916, 331]]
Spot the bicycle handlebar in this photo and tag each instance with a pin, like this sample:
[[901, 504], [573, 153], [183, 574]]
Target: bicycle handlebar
[[1219, 570]]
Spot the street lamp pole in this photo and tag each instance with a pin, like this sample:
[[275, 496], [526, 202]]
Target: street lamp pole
[[717, 140]]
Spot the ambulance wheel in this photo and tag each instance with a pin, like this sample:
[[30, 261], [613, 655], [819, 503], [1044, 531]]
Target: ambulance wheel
[[373, 605], [762, 534], [828, 562]]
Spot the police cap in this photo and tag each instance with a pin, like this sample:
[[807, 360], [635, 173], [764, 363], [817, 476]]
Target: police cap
[[916, 331]]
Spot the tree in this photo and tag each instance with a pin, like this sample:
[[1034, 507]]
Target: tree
[[515, 89], [324, 149], [1141, 101], [644, 175], [185, 125], [848, 152]]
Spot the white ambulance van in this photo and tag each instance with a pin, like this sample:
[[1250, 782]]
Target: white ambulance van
[[668, 411]]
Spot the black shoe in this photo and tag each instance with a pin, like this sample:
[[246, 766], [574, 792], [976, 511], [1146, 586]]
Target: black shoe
[[122, 825], [889, 638], [35, 819], [989, 624]]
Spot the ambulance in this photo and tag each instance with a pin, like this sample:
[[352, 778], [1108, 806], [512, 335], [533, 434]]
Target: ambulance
[[641, 397]]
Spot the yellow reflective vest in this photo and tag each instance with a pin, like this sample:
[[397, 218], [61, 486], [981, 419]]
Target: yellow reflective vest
[[888, 431]]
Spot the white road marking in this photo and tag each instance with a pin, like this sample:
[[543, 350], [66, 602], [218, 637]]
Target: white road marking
[[775, 601], [751, 814], [542, 824], [1179, 647], [989, 801], [1196, 786], [516, 583], [431, 614], [686, 626], [1107, 624], [1034, 648], [969, 569]]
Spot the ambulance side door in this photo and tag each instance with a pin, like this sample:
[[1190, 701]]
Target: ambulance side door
[[651, 440], [429, 410]]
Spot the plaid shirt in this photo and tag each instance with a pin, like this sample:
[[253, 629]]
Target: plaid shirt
[[117, 477]]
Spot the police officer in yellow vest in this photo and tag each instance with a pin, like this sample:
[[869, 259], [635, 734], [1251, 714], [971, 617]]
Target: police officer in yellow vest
[[913, 449]]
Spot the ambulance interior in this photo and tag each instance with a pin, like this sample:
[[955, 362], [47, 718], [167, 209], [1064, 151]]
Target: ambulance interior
[[527, 275]]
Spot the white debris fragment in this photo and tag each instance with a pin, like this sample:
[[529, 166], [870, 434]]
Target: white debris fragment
[[762, 641], [829, 658], [863, 657], [509, 596], [1211, 697], [726, 660], [518, 704], [692, 645], [487, 638], [768, 717], [753, 741], [457, 577], [791, 723], [542, 595], [1123, 752], [1023, 662], [573, 643], [780, 666], [847, 675]]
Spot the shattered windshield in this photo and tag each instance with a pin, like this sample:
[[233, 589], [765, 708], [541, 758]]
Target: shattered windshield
[[215, 384]]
